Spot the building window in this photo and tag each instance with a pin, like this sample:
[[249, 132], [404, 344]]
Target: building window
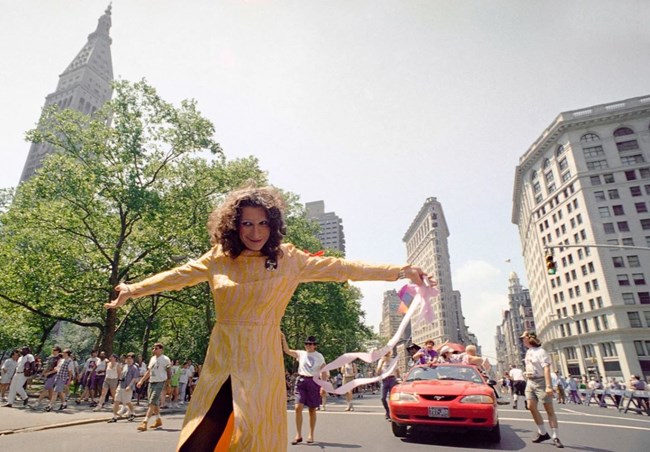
[[644, 173], [623, 226], [645, 223], [537, 187], [563, 164], [604, 212], [638, 346], [549, 176], [633, 261], [618, 210], [635, 320], [628, 145], [623, 280], [566, 176], [551, 188], [595, 180], [593, 151], [641, 207], [594, 283], [589, 137], [644, 297], [618, 262], [613, 194], [609, 178], [605, 322], [597, 323], [559, 151], [628, 298], [632, 160], [638, 278], [608, 349], [628, 241], [635, 191], [546, 163], [622, 131], [630, 175], [597, 165], [609, 228]]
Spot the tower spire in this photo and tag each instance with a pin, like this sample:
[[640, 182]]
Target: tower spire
[[84, 86]]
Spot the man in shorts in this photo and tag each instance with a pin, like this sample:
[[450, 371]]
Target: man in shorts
[[126, 383], [310, 363], [518, 385], [540, 387], [159, 373]]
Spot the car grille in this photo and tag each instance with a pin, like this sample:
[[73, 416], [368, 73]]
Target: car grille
[[437, 398]]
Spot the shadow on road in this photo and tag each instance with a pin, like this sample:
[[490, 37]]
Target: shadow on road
[[470, 440]]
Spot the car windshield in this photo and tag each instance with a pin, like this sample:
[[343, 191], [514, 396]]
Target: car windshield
[[460, 373]]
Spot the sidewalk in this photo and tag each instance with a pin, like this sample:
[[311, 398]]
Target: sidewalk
[[20, 418]]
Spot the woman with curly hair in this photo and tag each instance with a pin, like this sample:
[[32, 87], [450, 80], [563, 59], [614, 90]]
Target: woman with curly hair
[[240, 400]]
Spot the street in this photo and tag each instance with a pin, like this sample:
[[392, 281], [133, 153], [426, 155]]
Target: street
[[581, 428]]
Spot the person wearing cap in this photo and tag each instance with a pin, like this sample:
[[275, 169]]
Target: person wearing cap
[[539, 387], [310, 363], [446, 355], [239, 403]]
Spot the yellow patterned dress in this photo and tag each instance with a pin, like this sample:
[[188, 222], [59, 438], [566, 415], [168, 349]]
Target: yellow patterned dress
[[249, 304]]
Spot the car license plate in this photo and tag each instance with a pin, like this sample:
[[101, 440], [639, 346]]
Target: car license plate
[[438, 412]]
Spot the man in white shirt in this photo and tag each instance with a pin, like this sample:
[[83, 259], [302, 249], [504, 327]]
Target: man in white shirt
[[158, 374], [518, 385], [25, 362], [539, 387]]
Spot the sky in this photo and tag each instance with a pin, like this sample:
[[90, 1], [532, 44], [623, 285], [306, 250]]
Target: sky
[[372, 106]]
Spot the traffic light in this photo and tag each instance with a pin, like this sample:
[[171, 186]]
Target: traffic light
[[551, 268]]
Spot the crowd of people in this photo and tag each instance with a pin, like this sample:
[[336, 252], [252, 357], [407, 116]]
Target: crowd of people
[[125, 380]]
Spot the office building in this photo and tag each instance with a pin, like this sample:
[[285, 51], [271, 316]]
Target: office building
[[586, 181]]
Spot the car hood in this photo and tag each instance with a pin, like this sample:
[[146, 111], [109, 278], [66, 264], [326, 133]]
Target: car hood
[[444, 387]]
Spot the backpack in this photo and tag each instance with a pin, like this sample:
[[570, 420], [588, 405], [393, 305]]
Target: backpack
[[29, 369]]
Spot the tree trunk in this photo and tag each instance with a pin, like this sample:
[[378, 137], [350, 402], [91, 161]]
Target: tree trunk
[[46, 332]]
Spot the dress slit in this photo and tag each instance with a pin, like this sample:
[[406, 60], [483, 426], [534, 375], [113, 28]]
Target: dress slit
[[215, 430]]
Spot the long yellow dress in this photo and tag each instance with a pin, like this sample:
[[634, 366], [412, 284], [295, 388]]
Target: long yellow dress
[[249, 304]]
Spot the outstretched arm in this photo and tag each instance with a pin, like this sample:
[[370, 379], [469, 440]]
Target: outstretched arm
[[190, 274], [286, 348]]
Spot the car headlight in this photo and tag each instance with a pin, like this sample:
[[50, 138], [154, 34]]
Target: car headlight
[[403, 397], [477, 399]]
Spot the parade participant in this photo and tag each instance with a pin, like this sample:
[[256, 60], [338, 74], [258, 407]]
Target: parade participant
[[8, 371], [87, 377], [388, 381], [158, 375], [349, 372], [539, 387], [239, 402], [310, 363], [49, 373], [109, 384], [128, 376], [24, 365], [518, 385], [62, 380]]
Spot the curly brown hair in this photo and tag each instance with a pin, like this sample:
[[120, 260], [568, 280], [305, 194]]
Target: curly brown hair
[[223, 223]]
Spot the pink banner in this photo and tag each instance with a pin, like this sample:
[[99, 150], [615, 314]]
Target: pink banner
[[420, 307]]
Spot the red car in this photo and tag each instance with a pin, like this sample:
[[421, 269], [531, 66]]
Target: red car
[[444, 397]]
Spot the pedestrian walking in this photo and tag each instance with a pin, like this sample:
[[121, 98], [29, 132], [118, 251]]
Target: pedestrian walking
[[388, 380], [518, 385], [49, 374], [24, 369], [109, 385], [349, 372], [86, 381], [98, 377], [238, 400], [183, 380], [128, 376], [7, 372], [62, 380], [158, 375], [572, 384], [540, 387], [310, 363]]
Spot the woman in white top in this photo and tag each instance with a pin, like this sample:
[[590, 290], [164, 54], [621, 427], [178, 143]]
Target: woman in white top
[[8, 370], [113, 369]]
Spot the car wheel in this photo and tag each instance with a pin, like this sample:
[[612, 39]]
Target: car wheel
[[399, 430], [494, 435]]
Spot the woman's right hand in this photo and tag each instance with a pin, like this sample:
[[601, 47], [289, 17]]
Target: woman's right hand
[[123, 294]]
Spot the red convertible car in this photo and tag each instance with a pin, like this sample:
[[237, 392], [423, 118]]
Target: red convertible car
[[444, 397]]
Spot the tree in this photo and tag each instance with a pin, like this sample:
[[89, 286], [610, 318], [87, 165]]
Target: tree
[[123, 193]]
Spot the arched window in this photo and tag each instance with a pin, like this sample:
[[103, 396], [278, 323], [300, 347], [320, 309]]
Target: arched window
[[533, 175], [588, 137], [546, 163], [559, 151], [621, 131]]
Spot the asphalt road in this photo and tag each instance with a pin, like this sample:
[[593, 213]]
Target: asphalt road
[[582, 428]]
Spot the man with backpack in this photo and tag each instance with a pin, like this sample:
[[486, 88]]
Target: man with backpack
[[24, 369]]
